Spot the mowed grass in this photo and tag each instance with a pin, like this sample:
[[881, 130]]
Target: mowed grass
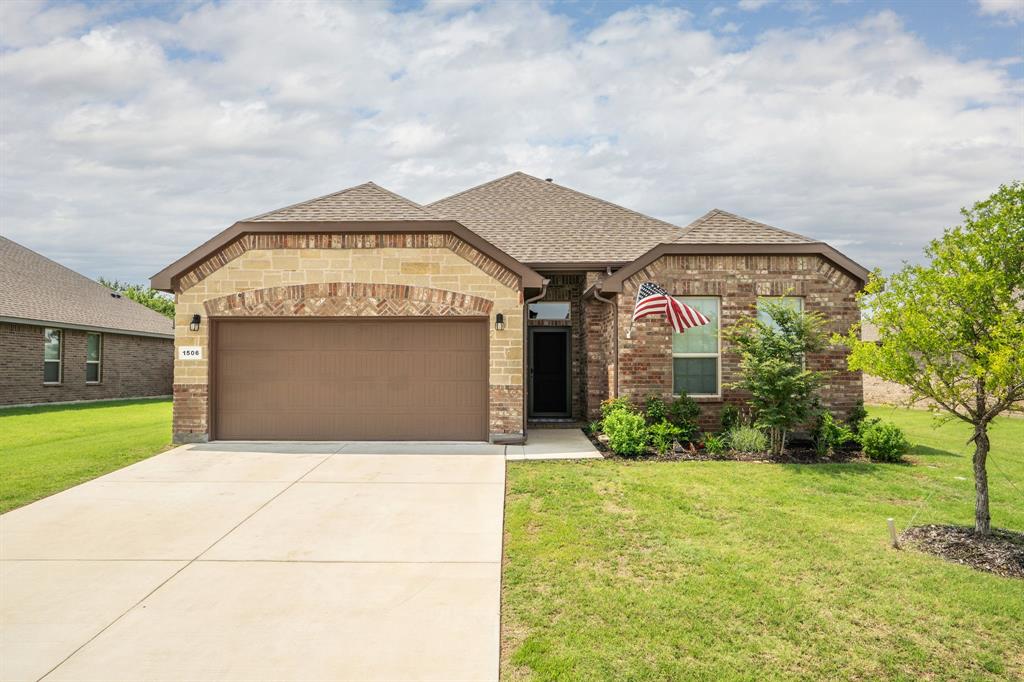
[[46, 449], [743, 571]]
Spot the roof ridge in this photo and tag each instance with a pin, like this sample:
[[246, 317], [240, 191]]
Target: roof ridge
[[750, 221], [475, 187], [61, 265], [369, 184], [395, 195], [568, 189]]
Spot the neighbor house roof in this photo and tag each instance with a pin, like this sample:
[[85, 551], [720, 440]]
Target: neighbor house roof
[[721, 227], [363, 202], [541, 222], [35, 289]]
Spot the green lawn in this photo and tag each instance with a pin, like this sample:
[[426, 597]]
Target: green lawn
[[730, 570], [44, 450]]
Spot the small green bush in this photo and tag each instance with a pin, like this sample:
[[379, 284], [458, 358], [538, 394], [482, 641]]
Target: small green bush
[[594, 427], [655, 408], [884, 442], [730, 418], [830, 434], [857, 416], [663, 435], [626, 431], [614, 405], [715, 444], [747, 439], [683, 412]]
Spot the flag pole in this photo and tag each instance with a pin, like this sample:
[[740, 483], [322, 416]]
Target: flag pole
[[632, 317]]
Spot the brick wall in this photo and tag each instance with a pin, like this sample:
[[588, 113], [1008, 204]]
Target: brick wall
[[599, 342], [132, 366], [285, 274], [646, 358]]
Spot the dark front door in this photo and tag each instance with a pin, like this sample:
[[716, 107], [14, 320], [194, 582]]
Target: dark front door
[[549, 372]]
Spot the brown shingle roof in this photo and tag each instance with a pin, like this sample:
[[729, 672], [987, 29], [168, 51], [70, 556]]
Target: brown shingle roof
[[537, 221], [721, 227], [33, 287], [362, 202]]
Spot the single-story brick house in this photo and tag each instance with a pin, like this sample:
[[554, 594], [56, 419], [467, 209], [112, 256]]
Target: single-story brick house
[[66, 338], [363, 315]]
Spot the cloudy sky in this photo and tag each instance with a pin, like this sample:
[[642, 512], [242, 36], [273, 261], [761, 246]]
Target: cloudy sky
[[130, 133]]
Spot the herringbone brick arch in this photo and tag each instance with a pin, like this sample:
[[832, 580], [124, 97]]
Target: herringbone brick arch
[[347, 299]]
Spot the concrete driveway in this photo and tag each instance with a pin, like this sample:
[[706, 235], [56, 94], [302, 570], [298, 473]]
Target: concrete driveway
[[320, 561]]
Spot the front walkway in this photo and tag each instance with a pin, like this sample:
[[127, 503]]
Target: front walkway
[[280, 561]]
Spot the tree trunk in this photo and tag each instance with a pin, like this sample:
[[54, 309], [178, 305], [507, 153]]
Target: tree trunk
[[982, 519]]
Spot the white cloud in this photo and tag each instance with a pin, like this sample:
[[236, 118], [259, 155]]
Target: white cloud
[[127, 143], [1012, 10], [752, 5]]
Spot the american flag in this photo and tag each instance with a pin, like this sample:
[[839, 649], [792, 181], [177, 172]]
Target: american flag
[[652, 300]]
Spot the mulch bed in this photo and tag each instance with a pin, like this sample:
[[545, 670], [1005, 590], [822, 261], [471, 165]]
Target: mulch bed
[[796, 453], [1001, 552]]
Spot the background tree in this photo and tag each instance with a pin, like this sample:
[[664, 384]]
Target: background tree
[[783, 391], [151, 298], [952, 331]]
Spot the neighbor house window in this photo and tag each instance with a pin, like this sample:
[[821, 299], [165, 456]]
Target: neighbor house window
[[793, 302], [696, 354], [93, 358], [51, 356]]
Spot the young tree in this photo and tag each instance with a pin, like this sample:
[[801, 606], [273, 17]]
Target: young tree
[[953, 330], [151, 298], [783, 391]]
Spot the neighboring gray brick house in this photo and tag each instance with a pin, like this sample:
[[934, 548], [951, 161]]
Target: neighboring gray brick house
[[363, 315], [65, 338]]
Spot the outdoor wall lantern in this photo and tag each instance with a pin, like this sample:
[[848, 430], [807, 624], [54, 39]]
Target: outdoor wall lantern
[[499, 322], [194, 324]]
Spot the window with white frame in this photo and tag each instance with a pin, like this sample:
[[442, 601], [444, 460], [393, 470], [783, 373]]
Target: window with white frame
[[52, 356], [93, 358], [696, 353], [792, 302]]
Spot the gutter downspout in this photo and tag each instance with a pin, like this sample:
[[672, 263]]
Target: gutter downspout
[[526, 342], [615, 333]]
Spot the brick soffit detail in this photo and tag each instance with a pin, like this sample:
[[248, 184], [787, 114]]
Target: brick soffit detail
[[271, 241], [347, 299]]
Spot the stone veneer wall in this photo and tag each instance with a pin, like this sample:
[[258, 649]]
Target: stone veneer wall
[[645, 360], [427, 274], [132, 366]]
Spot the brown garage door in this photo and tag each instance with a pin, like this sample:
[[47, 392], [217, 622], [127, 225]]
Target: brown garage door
[[350, 379]]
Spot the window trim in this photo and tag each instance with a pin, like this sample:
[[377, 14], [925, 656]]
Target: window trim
[[98, 362], [717, 355], [60, 358]]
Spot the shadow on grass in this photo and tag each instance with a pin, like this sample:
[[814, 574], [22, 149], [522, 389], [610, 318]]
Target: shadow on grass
[[929, 451], [77, 407]]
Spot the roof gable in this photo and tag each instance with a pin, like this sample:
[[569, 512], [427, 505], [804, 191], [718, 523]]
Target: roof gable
[[721, 227], [35, 288], [368, 201], [537, 221]]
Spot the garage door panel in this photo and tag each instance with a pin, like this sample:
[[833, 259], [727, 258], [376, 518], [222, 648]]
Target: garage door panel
[[346, 379]]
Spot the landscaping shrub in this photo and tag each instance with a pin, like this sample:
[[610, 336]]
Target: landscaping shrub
[[594, 427], [714, 444], [783, 391], [655, 408], [730, 418], [857, 416], [884, 441], [626, 431], [747, 439], [830, 434], [683, 412], [663, 435], [615, 404]]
